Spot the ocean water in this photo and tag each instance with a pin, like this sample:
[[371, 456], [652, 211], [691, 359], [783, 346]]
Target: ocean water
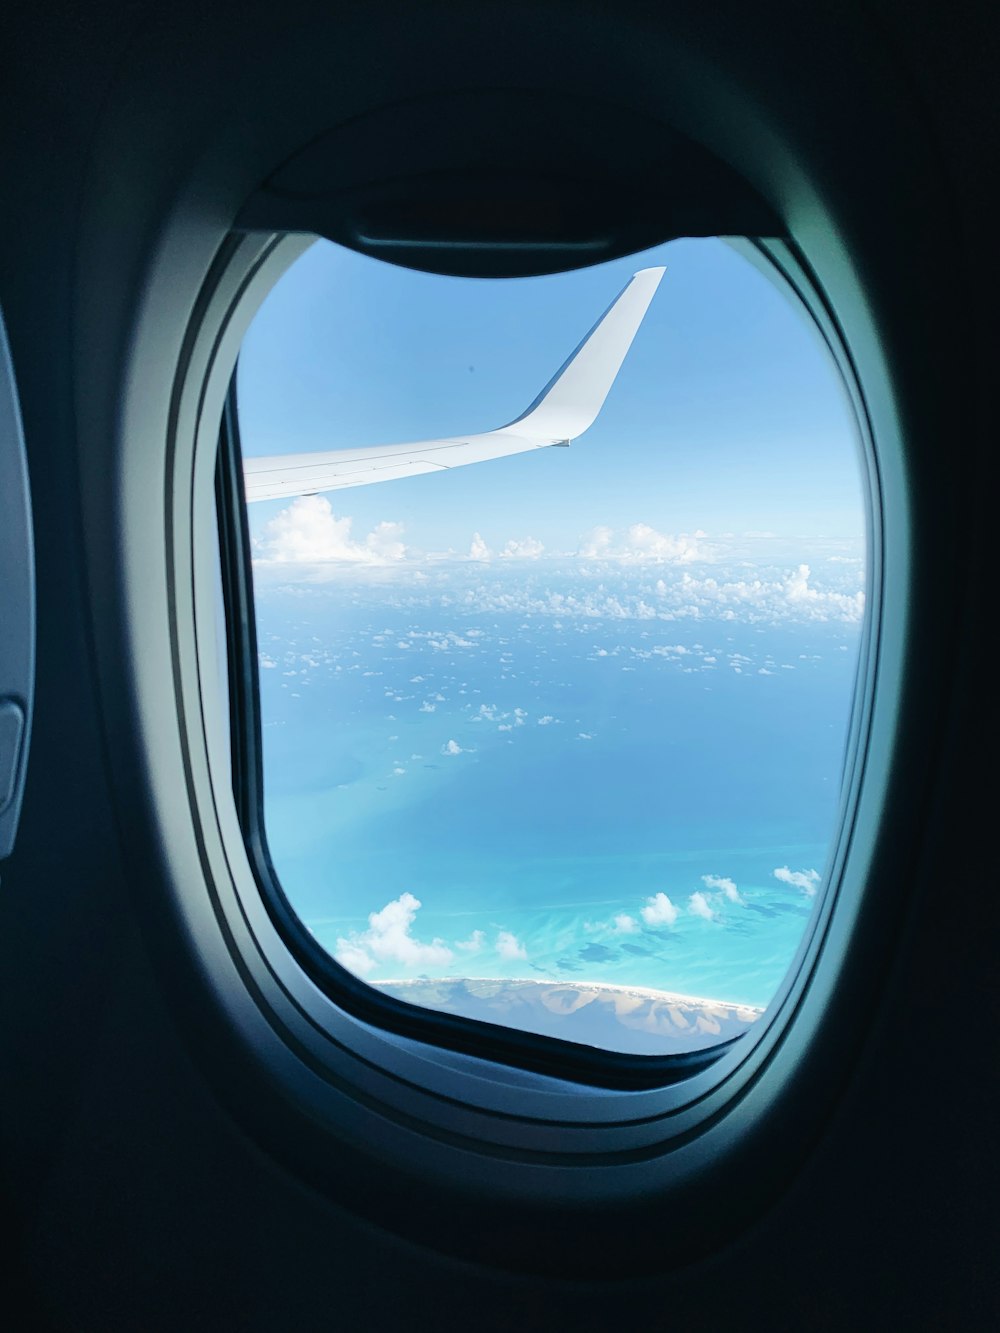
[[554, 775]]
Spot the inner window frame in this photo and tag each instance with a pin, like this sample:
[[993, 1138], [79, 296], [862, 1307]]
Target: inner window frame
[[504, 1046]]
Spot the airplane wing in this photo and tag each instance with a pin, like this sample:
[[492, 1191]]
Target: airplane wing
[[567, 406]]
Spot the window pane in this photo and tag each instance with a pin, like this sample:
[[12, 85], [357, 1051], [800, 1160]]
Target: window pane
[[555, 740]]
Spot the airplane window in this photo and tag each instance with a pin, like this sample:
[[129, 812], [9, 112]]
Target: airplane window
[[552, 737]]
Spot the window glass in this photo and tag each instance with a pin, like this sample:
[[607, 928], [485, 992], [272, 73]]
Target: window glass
[[555, 740]]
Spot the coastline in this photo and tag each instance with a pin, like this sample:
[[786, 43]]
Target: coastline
[[640, 992]]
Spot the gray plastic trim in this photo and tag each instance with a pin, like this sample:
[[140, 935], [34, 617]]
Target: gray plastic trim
[[17, 604]]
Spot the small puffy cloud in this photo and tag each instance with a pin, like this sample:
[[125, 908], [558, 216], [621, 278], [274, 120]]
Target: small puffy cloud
[[510, 947], [800, 594], [308, 532], [597, 543], [528, 549], [724, 885], [389, 940], [354, 958], [659, 911], [479, 550], [645, 543], [546, 721], [453, 747], [385, 541], [427, 706], [699, 905], [473, 944], [806, 880], [624, 924], [640, 544]]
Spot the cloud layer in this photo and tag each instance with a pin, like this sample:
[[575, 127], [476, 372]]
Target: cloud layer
[[656, 575]]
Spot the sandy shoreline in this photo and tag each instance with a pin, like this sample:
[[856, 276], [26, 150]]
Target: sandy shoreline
[[609, 987]]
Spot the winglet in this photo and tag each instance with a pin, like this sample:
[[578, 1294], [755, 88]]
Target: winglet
[[571, 401], [564, 409]]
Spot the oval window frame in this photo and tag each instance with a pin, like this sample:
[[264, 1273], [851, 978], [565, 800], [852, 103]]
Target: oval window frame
[[512, 1118]]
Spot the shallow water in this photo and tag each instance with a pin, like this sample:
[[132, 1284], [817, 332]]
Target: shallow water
[[534, 776]]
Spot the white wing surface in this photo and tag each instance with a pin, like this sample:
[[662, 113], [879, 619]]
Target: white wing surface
[[567, 406]]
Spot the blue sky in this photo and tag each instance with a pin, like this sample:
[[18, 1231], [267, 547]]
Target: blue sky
[[726, 417]]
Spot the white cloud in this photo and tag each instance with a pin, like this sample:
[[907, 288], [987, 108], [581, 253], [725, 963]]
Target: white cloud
[[641, 544], [453, 747], [427, 706], [527, 549], [354, 958], [473, 944], [385, 541], [724, 885], [309, 533], [624, 924], [659, 911], [479, 550], [546, 721], [806, 880], [597, 543], [699, 905], [801, 595], [645, 543], [510, 947], [388, 939]]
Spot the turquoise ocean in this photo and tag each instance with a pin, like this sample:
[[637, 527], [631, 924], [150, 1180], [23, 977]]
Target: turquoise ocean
[[534, 771]]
